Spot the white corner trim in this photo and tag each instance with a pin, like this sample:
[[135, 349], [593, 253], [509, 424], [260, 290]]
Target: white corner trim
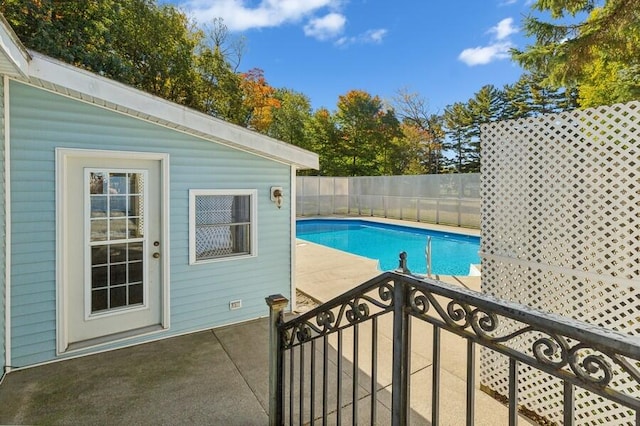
[[7, 225], [165, 189], [292, 213], [61, 315]]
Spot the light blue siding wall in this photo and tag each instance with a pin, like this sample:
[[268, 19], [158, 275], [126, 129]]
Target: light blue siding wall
[[200, 294], [3, 342]]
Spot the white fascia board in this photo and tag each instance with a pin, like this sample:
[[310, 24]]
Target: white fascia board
[[14, 53], [133, 101]]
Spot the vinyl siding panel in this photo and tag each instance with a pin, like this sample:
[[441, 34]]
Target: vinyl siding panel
[[3, 297], [199, 294]]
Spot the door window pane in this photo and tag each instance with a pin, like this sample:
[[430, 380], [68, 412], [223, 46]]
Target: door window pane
[[135, 294], [99, 300], [116, 202], [118, 297], [98, 255]]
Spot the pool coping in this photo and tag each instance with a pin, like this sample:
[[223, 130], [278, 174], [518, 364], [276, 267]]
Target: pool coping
[[398, 222]]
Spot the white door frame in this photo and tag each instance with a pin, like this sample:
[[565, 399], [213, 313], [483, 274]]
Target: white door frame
[[62, 156]]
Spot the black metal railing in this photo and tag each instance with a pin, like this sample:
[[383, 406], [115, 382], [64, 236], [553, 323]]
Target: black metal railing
[[321, 373]]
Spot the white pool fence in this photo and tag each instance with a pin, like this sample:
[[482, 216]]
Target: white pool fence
[[448, 199]]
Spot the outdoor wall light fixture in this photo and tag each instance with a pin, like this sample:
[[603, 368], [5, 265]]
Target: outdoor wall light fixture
[[277, 195]]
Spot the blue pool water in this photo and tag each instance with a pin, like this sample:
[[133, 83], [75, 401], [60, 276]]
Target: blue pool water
[[451, 253]]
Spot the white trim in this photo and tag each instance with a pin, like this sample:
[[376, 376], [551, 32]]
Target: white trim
[[13, 49], [62, 154], [117, 96], [253, 194], [7, 225], [292, 214], [165, 241]]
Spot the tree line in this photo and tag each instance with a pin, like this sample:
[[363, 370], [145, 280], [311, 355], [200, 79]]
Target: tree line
[[156, 48]]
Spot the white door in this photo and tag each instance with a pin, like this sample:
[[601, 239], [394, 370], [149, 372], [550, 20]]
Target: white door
[[112, 248]]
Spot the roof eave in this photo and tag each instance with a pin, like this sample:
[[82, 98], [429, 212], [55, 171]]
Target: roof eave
[[14, 57], [78, 83]]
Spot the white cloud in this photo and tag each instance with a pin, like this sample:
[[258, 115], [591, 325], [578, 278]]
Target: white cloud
[[238, 15], [368, 37], [375, 36], [320, 19], [504, 29], [483, 55], [497, 49], [327, 27]]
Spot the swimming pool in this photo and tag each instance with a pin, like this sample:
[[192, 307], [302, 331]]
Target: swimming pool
[[451, 253]]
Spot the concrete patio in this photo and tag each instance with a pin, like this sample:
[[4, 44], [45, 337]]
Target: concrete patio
[[212, 377], [218, 376]]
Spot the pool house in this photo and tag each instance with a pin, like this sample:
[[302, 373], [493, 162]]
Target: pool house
[[127, 218]]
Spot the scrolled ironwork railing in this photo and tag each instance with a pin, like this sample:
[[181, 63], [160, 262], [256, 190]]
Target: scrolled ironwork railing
[[310, 353]]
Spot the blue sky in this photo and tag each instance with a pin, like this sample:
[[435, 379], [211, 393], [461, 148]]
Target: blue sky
[[443, 50]]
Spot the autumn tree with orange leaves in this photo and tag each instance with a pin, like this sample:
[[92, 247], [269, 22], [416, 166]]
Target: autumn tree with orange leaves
[[258, 100]]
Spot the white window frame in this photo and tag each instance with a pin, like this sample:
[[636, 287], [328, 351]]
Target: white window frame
[[253, 227]]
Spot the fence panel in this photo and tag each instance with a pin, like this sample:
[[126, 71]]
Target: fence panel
[[452, 199], [374, 354], [561, 233]]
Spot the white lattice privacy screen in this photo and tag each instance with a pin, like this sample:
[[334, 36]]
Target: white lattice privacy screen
[[561, 232]]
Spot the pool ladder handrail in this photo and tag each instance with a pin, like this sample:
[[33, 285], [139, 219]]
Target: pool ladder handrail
[[428, 256]]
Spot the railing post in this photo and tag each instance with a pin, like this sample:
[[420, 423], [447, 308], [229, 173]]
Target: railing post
[[400, 370], [276, 303]]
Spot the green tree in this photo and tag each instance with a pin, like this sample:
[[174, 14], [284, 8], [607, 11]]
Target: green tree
[[220, 88], [157, 45], [546, 99], [422, 132], [290, 120], [359, 119], [484, 107], [517, 97], [74, 32], [388, 150], [608, 82], [458, 124], [415, 153], [605, 44], [136, 42], [324, 138]]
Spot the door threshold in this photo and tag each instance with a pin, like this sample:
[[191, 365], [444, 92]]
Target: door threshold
[[112, 338]]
